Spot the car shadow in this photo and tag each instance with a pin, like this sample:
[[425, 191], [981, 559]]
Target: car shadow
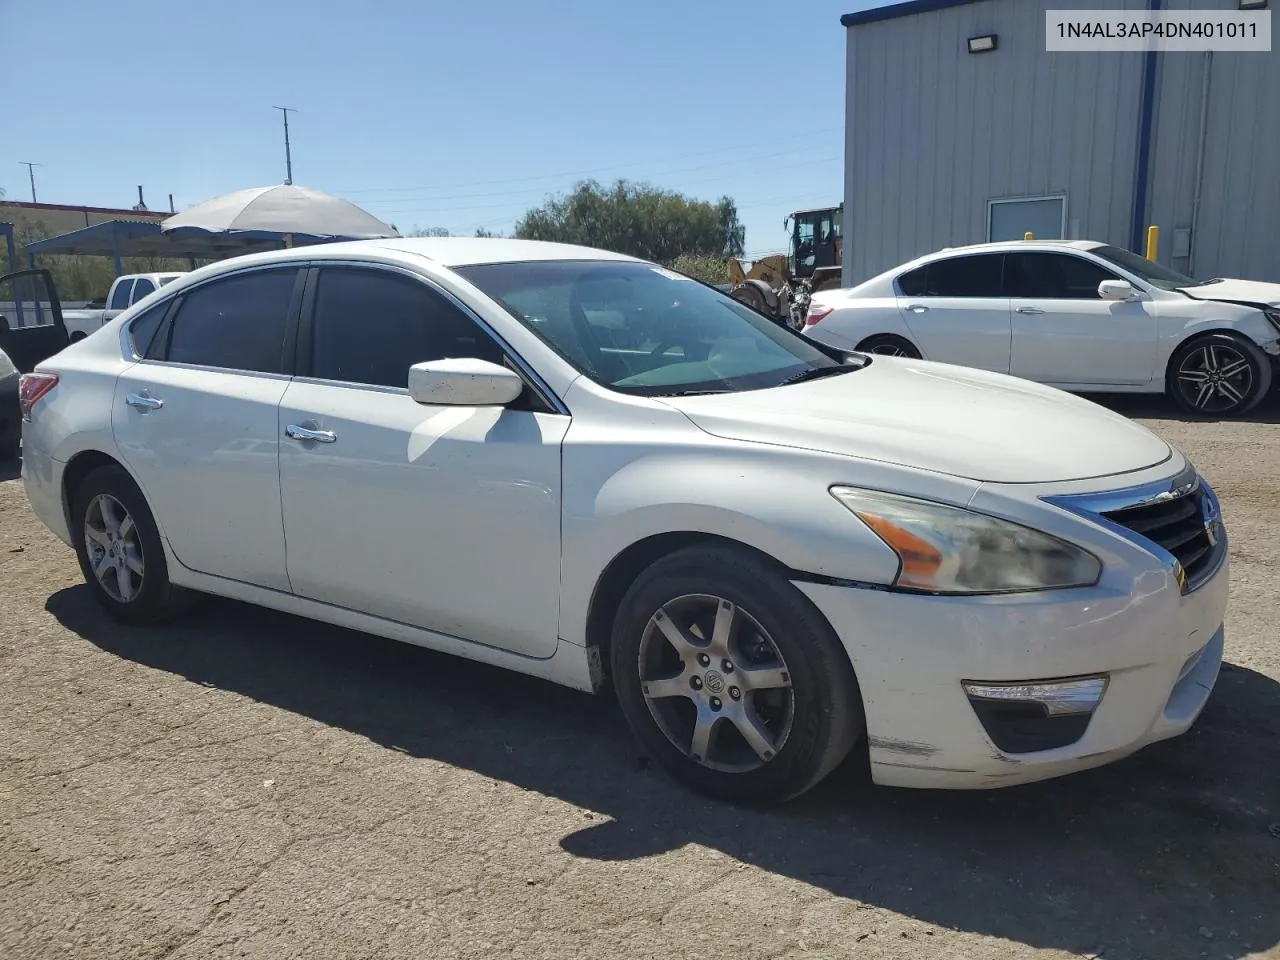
[[1152, 857], [1140, 406]]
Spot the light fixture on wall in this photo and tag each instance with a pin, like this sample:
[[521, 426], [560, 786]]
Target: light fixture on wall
[[1253, 4], [983, 44]]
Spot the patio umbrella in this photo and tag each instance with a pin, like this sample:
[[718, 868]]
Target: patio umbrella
[[284, 209]]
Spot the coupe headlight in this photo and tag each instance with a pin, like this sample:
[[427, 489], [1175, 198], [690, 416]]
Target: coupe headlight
[[944, 549]]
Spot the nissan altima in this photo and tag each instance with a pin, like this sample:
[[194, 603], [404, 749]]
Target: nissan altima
[[591, 469]]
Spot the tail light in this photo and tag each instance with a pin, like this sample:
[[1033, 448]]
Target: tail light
[[816, 312], [31, 387]]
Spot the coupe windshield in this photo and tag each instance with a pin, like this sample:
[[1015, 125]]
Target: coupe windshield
[[638, 328], [1153, 273]]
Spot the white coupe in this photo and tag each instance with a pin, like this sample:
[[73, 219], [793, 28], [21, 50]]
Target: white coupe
[[590, 469], [1080, 315]]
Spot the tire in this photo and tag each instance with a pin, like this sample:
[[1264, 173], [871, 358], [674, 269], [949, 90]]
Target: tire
[[103, 501], [887, 344], [807, 706], [1195, 364], [76, 337]]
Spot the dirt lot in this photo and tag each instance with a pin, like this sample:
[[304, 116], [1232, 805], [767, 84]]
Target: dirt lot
[[249, 784]]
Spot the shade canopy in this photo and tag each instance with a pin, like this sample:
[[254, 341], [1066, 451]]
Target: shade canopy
[[281, 209]]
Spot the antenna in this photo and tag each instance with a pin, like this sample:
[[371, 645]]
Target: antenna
[[288, 156], [31, 173]]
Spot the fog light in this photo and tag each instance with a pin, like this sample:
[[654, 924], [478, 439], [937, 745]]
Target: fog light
[[1043, 715]]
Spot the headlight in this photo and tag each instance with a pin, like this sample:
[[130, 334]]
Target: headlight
[[1274, 317], [7, 369], [944, 549]]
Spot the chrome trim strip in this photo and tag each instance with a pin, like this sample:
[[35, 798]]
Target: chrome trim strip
[[1092, 506]]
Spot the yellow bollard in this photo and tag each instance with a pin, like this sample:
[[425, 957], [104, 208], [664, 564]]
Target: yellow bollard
[[1153, 243], [1028, 236]]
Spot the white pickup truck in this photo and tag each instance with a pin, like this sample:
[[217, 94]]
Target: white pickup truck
[[125, 292]]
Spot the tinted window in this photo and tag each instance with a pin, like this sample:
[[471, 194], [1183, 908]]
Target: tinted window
[[237, 323], [370, 326], [141, 288], [143, 330], [913, 282], [120, 295], [1054, 276], [976, 276]]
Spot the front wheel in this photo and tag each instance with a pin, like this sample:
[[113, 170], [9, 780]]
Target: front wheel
[[731, 678], [888, 345], [1221, 375]]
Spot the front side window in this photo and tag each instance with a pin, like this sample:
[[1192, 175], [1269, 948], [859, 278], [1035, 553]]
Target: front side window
[[237, 323], [1053, 276], [120, 295], [370, 326], [638, 328]]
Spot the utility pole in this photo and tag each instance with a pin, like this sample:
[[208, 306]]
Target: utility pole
[[288, 157], [31, 173]]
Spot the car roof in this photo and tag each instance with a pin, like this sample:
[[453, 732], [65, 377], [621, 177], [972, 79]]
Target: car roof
[[448, 251], [1004, 246]]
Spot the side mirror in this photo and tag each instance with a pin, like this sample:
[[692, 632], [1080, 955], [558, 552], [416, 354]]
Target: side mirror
[[463, 382], [1117, 290]]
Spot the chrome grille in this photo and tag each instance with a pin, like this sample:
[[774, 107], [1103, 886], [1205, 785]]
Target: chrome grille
[[1185, 526]]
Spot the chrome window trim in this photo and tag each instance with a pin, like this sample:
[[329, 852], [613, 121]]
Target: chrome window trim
[[549, 396], [1092, 506]]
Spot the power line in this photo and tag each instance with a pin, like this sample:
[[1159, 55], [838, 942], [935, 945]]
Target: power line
[[532, 200], [581, 173]]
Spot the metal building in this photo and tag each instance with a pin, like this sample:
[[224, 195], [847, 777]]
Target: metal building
[[944, 146]]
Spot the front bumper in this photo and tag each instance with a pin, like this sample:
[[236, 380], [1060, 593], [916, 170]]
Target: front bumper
[[1159, 648]]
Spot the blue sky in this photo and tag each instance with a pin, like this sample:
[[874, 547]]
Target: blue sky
[[428, 113]]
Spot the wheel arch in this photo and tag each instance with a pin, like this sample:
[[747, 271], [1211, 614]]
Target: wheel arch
[[79, 467], [627, 565]]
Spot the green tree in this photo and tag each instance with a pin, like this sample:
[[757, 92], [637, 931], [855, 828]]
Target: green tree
[[637, 219], [430, 232], [482, 232]]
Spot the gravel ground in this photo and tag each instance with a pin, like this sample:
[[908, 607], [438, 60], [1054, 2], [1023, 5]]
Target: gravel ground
[[250, 784]]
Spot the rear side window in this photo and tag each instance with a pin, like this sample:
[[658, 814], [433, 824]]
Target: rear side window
[[237, 323], [370, 326], [141, 287], [143, 329], [1053, 276], [913, 282], [120, 295], [974, 276]]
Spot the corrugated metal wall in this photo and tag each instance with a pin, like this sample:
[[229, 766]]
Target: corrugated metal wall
[[934, 133]]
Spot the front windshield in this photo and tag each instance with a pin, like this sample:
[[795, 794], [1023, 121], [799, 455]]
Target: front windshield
[[638, 328], [1152, 272]]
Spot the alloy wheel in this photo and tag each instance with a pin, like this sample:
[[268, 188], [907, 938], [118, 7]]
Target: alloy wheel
[[716, 684], [1215, 378], [114, 549]]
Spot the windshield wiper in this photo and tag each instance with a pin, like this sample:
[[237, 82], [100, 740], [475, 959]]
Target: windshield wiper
[[816, 373], [693, 393]]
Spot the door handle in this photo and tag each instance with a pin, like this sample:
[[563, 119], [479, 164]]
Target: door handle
[[917, 307], [1030, 310], [143, 402], [295, 432]]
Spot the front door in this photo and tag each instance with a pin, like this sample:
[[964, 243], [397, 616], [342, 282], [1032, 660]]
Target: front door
[[956, 311], [196, 422], [31, 328], [1065, 334], [441, 517]]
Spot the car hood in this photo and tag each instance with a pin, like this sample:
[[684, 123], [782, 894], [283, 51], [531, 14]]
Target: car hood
[[1237, 291], [937, 417]]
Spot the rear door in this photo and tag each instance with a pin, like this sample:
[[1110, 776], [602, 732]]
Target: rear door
[[31, 327], [956, 311]]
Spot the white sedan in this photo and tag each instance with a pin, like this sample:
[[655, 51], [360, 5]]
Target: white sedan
[[590, 469], [1080, 315]]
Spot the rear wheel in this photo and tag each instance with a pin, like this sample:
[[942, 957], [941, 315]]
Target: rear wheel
[[731, 678], [119, 549], [1220, 375], [889, 345]]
